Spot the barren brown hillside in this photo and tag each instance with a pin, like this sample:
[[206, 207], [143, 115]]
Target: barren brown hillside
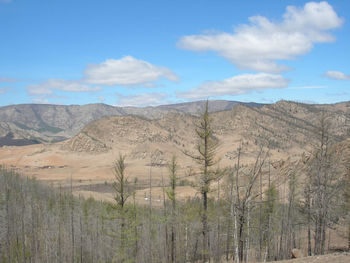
[[287, 128], [52, 123]]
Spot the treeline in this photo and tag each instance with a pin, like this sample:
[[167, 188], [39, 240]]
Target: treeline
[[39, 223], [242, 213]]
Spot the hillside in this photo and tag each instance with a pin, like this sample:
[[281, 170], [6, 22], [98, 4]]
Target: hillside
[[288, 129], [285, 127], [83, 164], [52, 123]]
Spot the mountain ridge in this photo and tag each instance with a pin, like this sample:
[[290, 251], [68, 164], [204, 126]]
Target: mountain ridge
[[53, 123], [288, 130]]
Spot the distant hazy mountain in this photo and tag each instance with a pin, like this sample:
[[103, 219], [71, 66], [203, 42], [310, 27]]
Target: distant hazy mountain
[[197, 107], [289, 129], [50, 123], [283, 125]]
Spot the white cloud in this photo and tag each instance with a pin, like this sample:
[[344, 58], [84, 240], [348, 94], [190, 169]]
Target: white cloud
[[337, 75], [47, 87], [139, 100], [101, 98], [8, 80], [236, 85], [5, 89], [126, 71], [260, 44], [307, 87], [40, 100]]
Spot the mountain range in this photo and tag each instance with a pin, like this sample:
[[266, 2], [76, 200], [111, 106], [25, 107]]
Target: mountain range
[[29, 123], [89, 138]]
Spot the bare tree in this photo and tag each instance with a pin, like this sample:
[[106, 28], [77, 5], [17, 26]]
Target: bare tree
[[245, 179], [347, 197], [324, 183]]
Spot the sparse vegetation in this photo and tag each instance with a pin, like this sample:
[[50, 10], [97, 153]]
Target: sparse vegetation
[[242, 212]]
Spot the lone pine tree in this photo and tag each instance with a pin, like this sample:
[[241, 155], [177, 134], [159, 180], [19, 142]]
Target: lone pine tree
[[206, 150], [122, 193]]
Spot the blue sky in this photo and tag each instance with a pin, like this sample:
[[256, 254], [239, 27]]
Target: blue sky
[[142, 53]]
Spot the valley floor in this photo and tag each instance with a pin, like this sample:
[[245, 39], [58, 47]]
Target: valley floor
[[329, 258]]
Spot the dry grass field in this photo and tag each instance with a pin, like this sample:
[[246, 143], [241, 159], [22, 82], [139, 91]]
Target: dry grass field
[[88, 157]]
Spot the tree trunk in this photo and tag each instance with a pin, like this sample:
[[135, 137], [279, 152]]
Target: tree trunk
[[34, 243], [309, 249], [8, 233], [241, 223], [23, 228], [205, 252], [81, 240], [60, 228], [248, 234], [150, 214], [235, 238], [349, 237], [218, 244], [260, 220], [323, 235], [122, 237], [72, 219]]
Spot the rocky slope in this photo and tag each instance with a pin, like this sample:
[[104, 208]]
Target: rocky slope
[[287, 128], [50, 123]]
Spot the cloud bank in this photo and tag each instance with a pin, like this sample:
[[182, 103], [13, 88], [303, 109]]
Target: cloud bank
[[139, 100], [47, 87], [338, 75], [241, 84], [8, 80], [126, 71], [259, 45]]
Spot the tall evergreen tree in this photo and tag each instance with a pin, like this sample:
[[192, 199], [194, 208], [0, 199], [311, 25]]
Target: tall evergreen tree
[[122, 193], [206, 150], [171, 193]]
